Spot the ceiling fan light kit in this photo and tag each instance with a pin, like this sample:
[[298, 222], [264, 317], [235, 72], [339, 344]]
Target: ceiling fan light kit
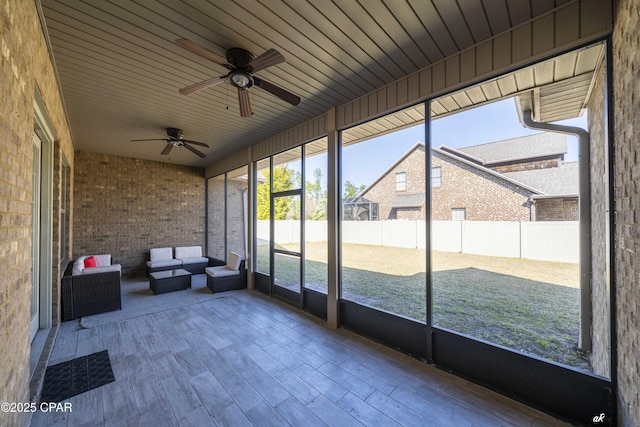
[[241, 80], [241, 65]]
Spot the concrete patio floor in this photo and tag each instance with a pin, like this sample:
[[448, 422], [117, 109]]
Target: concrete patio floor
[[241, 358]]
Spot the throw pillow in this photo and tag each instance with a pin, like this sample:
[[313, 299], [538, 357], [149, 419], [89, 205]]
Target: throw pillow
[[90, 262]]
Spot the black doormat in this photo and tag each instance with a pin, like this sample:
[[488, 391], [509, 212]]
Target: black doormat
[[76, 376]]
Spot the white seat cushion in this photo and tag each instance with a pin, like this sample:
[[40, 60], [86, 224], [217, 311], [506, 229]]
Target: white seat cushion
[[188, 252], [157, 254], [94, 270], [164, 263], [233, 261], [194, 260], [78, 266], [103, 260], [221, 271]]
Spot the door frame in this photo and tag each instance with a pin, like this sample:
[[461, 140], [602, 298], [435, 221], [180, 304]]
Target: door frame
[[45, 131], [295, 297]]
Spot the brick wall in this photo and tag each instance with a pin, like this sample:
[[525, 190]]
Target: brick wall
[[564, 209], [24, 66], [626, 117], [216, 213], [232, 232], [525, 166], [236, 232], [384, 191], [126, 206], [485, 196], [600, 301]]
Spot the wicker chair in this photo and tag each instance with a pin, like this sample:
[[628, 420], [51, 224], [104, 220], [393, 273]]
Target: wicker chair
[[226, 277], [86, 294]]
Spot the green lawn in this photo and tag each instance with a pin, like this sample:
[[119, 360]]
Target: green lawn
[[529, 306]]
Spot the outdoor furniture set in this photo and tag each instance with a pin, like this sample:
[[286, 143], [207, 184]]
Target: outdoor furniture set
[[186, 257], [91, 284], [168, 273]]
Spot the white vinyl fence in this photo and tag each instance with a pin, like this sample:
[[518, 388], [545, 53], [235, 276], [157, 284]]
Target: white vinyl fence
[[557, 241]]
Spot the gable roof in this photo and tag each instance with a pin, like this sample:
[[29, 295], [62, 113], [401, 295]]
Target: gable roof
[[418, 144], [408, 200], [556, 181], [560, 181], [539, 145], [487, 170]]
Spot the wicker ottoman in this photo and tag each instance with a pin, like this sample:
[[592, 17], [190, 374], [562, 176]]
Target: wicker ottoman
[[169, 281]]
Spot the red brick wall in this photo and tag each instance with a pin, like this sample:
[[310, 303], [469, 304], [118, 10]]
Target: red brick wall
[[384, 191], [525, 166], [566, 209], [485, 196]]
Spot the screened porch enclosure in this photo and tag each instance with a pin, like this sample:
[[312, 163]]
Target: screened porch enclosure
[[443, 241]]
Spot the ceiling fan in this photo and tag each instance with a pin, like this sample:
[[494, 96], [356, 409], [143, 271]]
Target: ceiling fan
[[241, 65], [175, 138]]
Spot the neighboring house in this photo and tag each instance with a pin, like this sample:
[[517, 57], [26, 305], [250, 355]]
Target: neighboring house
[[519, 179]]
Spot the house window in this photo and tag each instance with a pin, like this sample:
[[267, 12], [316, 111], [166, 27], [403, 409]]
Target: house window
[[458, 214], [401, 181], [436, 177]]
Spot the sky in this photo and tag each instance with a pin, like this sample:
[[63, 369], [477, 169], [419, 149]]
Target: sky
[[364, 162]]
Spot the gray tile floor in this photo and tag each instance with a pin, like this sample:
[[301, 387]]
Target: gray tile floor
[[245, 359]]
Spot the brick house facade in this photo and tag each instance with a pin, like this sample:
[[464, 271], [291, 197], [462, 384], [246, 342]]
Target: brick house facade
[[383, 190], [464, 187]]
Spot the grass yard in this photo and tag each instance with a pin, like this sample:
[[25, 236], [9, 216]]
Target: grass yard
[[529, 306]]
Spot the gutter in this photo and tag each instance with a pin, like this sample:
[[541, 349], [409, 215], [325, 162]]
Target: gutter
[[584, 342]]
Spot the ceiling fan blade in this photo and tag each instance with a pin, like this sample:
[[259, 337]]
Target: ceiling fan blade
[[267, 59], [245, 103], [202, 85], [277, 91], [167, 149], [202, 51], [190, 148], [202, 144], [152, 139]]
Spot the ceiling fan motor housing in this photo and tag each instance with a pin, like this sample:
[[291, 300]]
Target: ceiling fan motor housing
[[239, 57], [175, 133]]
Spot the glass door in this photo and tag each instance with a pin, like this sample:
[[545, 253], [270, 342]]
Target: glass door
[[35, 238], [287, 206], [286, 249]]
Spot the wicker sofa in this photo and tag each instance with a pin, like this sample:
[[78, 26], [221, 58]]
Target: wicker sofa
[[186, 257], [192, 259], [90, 290], [161, 259]]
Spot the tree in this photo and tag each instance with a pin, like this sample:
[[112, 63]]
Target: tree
[[283, 180], [350, 189], [316, 198]]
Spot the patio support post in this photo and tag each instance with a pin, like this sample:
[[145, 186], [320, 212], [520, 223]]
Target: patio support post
[[251, 210], [333, 219], [584, 342]]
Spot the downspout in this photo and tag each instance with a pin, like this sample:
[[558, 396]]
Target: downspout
[[584, 342]]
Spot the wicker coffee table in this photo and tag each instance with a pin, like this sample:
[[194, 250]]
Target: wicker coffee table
[[169, 281]]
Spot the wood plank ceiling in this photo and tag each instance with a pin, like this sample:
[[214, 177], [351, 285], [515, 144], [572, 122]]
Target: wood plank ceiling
[[554, 90], [120, 68]]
